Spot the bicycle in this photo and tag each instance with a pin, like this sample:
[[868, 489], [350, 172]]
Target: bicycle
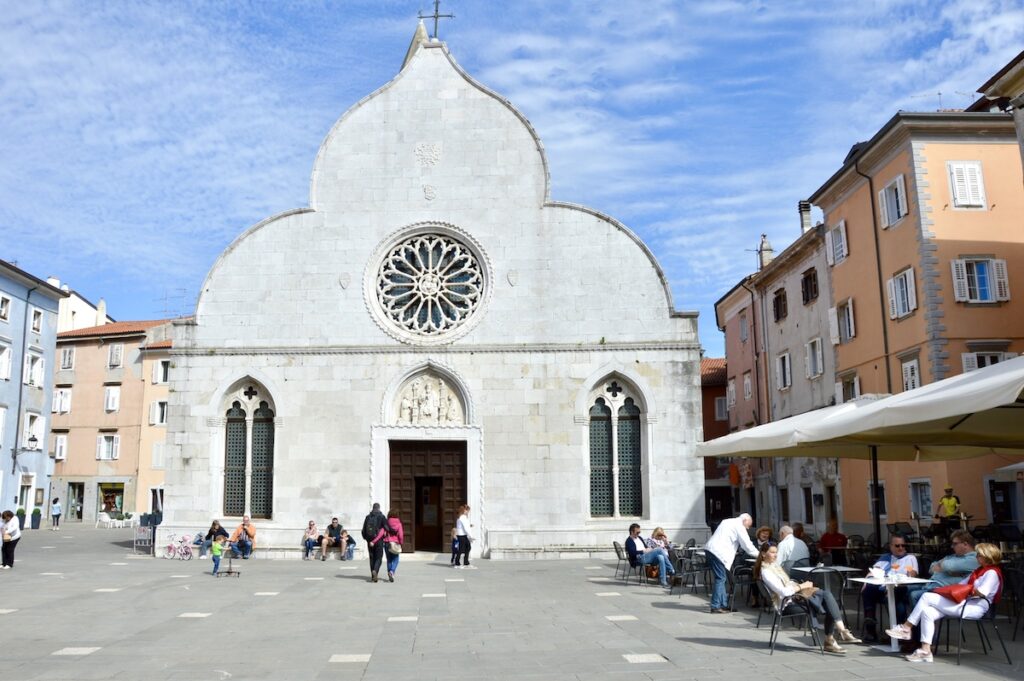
[[180, 548]]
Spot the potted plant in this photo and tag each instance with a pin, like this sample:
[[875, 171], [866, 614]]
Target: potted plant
[[37, 516], [21, 517]]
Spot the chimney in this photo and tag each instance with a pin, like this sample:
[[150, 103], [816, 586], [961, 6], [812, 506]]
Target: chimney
[[765, 252], [53, 281], [805, 216], [101, 312]]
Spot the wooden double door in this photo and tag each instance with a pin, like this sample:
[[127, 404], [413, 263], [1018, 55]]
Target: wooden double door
[[428, 484]]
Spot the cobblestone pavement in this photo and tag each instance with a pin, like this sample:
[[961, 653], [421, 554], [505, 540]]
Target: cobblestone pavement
[[79, 606]]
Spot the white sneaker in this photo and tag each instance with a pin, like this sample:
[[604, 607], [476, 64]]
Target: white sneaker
[[469, 567], [457, 567], [920, 656], [203, 557]]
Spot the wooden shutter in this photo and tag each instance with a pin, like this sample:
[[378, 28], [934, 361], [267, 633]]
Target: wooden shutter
[[807, 360], [153, 407], [842, 233], [901, 189], [960, 292], [26, 370], [958, 182], [5, 362], [907, 375], [1002, 279], [117, 447], [55, 402], [890, 286], [156, 371], [833, 325], [778, 372], [911, 290], [839, 392], [883, 208], [975, 185], [829, 254], [856, 386], [849, 312], [820, 356], [969, 361], [99, 446]]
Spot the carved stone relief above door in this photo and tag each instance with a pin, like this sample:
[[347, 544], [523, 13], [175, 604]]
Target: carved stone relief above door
[[428, 400]]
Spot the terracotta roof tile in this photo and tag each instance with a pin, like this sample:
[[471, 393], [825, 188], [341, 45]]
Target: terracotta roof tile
[[712, 371], [159, 345], [113, 329]]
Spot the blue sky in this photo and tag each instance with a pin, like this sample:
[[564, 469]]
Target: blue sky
[[139, 138]]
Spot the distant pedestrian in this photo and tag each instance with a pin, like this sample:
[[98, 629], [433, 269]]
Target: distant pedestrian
[[372, 525], [730, 537], [455, 545], [392, 535], [11, 537], [463, 530], [309, 539], [216, 551], [55, 511]]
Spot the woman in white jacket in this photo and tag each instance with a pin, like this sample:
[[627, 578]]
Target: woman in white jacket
[[987, 583], [12, 534], [823, 603]]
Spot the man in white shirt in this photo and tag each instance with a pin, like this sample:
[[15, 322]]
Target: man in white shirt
[[730, 537], [791, 549]]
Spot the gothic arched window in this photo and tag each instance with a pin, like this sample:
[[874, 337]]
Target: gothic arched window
[[600, 459], [234, 461], [616, 439], [249, 453], [262, 489]]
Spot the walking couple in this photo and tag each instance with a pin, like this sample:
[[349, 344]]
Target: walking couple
[[383, 535]]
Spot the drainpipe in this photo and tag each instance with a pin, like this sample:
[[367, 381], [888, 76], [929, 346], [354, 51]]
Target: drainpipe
[[875, 497], [21, 388]]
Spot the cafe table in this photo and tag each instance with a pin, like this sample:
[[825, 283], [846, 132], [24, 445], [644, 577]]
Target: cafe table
[[890, 593], [825, 571]]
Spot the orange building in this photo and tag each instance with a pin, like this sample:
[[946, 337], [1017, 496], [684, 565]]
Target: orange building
[[109, 418], [924, 245]]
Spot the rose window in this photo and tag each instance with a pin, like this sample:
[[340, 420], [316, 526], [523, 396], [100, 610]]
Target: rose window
[[429, 284]]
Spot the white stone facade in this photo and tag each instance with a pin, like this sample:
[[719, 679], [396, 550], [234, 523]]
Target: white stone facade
[[557, 301]]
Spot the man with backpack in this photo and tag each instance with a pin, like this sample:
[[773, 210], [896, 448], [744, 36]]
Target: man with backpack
[[372, 526]]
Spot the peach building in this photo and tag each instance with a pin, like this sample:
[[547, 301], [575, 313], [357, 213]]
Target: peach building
[[925, 250], [109, 415]]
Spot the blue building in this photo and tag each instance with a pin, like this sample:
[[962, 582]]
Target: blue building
[[28, 338]]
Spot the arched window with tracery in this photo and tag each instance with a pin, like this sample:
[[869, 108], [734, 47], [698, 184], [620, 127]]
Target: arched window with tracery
[[249, 453], [600, 459], [616, 442]]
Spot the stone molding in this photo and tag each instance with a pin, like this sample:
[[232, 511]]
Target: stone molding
[[669, 346]]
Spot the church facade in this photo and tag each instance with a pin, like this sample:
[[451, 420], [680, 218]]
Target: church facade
[[435, 330]]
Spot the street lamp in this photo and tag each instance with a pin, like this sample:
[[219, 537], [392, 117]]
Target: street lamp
[[33, 444]]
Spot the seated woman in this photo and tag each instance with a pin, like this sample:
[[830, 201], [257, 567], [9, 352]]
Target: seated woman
[[211, 535], [659, 540], [987, 581], [821, 602], [309, 539], [762, 536]]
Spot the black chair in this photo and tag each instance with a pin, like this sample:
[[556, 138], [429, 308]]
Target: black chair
[[691, 573], [620, 553], [986, 643], [793, 608], [741, 577]]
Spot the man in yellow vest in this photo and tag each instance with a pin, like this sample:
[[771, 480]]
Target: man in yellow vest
[[948, 510]]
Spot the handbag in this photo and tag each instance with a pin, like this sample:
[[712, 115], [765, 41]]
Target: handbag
[[393, 547], [958, 593], [652, 571]]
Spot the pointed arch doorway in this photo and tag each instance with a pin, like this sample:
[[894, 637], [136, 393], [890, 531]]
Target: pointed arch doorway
[[427, 486]]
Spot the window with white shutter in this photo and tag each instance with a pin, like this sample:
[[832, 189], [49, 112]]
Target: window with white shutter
[[37, 320], [60, 446], [911, 375], [836, 248], [5, 309], [67, 358], [845, 320], [161, 371], [744, 328], [115, 355], [32, 432], [33, 371], [783, 372], [902, 294], [107, 446], [748, 390], [61, 401], [980, 360], [5, 362], [112, 397], [980, 280], [814, 358], [158, 413], [730, 393], [892, 202], [966, 185]]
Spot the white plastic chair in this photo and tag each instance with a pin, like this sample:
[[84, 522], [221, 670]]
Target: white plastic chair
[[104, 517]]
